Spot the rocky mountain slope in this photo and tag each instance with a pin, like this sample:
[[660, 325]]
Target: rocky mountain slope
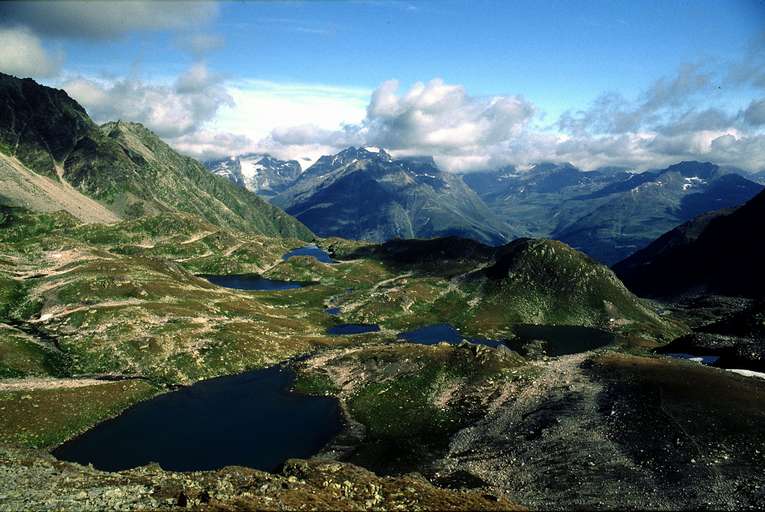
[[720, 252], [367, 195], [609, 213], [21, 187], [123, 166], [259, 173]]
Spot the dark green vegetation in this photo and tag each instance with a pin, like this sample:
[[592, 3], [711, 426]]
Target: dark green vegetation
[[123, 299], [55, 411], [715, 253], [608, 213], [124, 166], [484, 290], [367, 195]]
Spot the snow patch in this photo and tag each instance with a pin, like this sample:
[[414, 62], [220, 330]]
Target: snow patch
[[747, 373], [693, 181]]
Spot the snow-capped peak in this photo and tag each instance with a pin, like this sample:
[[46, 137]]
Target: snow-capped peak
[[372, 149]]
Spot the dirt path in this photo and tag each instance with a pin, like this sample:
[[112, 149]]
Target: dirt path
[[32, 384], [231, 250], [197, 237]]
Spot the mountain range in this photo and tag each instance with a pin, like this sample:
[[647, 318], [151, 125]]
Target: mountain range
[[365, 194], [718, 252], [259, 173], [53, 156], [109, 241], [608, 213]]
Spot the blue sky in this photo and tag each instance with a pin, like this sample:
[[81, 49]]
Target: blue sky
[[298, 78]]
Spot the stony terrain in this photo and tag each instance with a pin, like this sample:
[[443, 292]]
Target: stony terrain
[[49, 484], [618, 431]]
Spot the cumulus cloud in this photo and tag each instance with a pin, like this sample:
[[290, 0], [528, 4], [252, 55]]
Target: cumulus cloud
[[440, 116], [105, 19], [674, 119], [22, 55], [662, 125], [207, 144], [169, 110]]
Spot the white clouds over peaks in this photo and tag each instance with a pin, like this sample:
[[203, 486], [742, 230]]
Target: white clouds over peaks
[[169, 110], [22, 54], [441, 117]]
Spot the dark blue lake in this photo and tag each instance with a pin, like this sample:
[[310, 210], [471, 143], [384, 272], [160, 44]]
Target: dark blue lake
[[352, 329], [251, 419], [332, 311], [437, 333], [561, 340], [310, 250], [251, 282]]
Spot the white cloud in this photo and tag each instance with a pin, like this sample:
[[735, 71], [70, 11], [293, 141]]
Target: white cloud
[[22, 55], [204, 116], [441, 117], [206, 144], [261, 107], [169, 110], [105, 19], [463, 132]]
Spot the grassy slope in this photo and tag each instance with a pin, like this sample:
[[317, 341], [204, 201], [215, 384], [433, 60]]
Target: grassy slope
[[123, 299], [530, 281]]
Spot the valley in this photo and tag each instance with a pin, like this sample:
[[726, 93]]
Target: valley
[[156, 324], [170, 340]]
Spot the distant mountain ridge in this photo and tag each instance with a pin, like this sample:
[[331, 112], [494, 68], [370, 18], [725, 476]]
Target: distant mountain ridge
[[608, 213], [364, 193], [718, 252], [259, 173], [123, 166]]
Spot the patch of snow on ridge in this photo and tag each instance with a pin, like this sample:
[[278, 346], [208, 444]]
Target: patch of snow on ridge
[[251, 166], [692, 182], [747, 373], [372, 149]]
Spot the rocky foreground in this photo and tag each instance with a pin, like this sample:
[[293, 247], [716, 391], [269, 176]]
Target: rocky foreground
[[32, 480]]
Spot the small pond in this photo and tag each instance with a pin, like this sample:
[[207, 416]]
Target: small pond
[[251, 282], [561, 340], [310, 250], [342, 329], [437, 333], [251, 419], [693, 357], [332, 311]]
